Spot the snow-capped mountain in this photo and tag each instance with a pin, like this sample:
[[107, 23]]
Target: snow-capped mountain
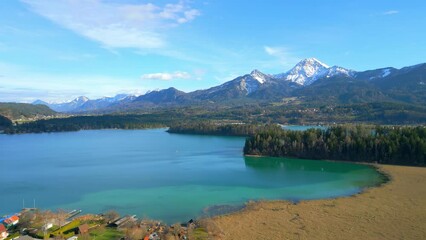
[[116, 98], [65, 106], [331, 84], [259, 76], [251, 82], [83, 103], [104, 102], [309, 70], [238, 87], [79, 101]]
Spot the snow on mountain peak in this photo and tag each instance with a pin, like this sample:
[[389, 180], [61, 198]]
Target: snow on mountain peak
[[336, 70], [305, 72], [259, 76], [81, 99], [309, 70], [313, 61]]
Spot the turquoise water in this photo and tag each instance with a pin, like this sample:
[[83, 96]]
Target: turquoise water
[[154, 174]]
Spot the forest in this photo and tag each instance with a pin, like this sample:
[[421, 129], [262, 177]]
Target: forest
[[222, 129], [86, 123], [375, 144]]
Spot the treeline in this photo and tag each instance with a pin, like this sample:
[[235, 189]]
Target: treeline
[[387, 145], [86, 123], [222, 129], [5, 122]]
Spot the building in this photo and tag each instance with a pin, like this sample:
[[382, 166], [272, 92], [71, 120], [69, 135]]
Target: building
[[83, 229], [11, 221], [47, 226], [3, 232]]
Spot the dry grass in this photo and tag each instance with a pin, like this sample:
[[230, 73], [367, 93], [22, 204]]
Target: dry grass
[[396, 210]]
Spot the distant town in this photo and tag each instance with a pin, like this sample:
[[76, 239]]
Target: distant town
[[33, 223]]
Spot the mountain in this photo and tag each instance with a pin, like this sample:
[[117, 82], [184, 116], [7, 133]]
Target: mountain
[[102, 103], [166, 96], [64, 107], [84, 104], [309, 82], [240, 87], [310, 70], [406, 85]]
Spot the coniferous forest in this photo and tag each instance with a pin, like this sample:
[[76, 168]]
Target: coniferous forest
[[380, 144]]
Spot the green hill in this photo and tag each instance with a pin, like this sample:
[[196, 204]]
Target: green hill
[[15, 111]]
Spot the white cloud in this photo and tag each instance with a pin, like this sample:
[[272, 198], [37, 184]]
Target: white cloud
[[390, 12], [166, 76], [285, 57], [21, 84], [116, 25]]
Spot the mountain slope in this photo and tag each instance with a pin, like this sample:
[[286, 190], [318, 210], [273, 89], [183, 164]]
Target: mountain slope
[[66, 106], [167, 97], [310, 70], [84, 104], [5, 122], [15, 111], [240, 87], [406, 85], [105, 102]]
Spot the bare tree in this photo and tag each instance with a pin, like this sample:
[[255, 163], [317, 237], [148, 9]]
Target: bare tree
[[61, 217], [135, 233], [111, 215]]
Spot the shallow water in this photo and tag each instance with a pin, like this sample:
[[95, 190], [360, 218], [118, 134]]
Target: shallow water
[[154, 174]]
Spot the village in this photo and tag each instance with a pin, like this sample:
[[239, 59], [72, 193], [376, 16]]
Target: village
[[32, 223]]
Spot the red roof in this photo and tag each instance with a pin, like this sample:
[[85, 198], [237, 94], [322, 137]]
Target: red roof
[[2, 228], [12, 219], [83, 228]]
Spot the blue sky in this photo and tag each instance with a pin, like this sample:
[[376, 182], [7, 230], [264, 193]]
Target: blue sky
[[62, 49]]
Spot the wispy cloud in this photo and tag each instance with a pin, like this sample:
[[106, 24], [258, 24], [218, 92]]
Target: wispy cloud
[[390, 12], [284, 56], [114, 24], [22, 84], [166, 76]]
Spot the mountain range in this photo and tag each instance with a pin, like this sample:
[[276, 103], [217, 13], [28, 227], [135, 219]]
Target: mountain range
[[310, 82]]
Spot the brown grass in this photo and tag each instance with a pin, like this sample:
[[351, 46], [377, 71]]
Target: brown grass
[[395, 210]]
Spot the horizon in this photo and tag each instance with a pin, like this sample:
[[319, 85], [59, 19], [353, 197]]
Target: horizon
[[157, 90], [57, 51]]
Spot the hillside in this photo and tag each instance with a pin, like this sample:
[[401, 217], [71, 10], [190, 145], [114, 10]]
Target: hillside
[[5, 122], [17, 111]]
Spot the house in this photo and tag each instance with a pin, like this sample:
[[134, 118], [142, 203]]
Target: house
[[47, 226], [11, 221], [3, 232], [154, 236], [83, 229]]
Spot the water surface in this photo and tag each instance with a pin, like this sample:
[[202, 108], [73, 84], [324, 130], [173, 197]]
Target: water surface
[[154, 174]]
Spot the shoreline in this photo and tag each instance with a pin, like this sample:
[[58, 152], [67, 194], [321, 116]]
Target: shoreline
[[392, 210]]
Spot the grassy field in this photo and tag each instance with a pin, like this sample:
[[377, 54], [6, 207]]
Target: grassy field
[[105, 234], [199, 234]]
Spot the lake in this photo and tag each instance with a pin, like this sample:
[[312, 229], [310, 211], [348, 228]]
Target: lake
[[151, 173]]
